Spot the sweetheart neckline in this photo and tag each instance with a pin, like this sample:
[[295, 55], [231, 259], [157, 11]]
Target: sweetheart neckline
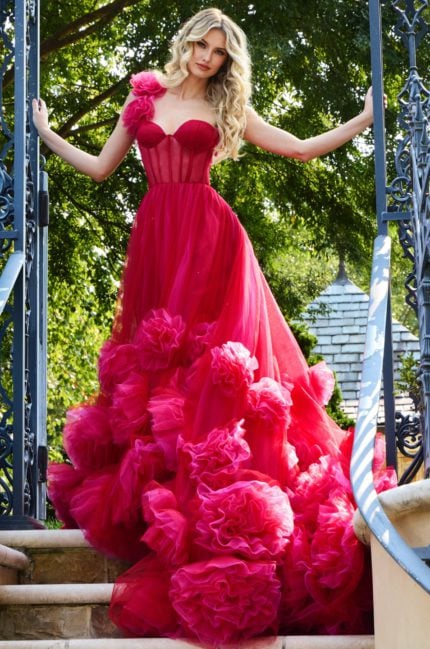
[[187, 121]]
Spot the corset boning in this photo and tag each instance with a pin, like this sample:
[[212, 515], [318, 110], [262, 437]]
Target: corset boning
[[182, 157]]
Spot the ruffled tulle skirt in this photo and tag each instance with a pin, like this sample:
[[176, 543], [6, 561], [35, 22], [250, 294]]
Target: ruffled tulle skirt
[[207, 459]]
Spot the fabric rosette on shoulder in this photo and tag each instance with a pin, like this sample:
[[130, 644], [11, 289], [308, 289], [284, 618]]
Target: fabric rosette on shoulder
[[226, 599], [146, 83], [249, 518], [159, 340], [146, 88], [216, 461]]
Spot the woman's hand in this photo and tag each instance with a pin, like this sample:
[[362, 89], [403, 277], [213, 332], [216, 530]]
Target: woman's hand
[[40, 115], [368, 105]]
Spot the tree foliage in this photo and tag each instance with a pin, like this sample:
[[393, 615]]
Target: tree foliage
[[311, 68]]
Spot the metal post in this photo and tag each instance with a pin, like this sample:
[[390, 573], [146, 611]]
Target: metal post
[[381, 209], [378, 112], [24, 279], [20, 183], [38, 282]]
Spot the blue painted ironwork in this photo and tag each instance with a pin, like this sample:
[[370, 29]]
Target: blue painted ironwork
[[409, 204], [410, 443], [23, 279], [365, 430], [381, 208], [409, 194]]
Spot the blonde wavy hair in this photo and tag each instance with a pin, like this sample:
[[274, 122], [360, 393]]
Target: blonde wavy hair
[[229, 90]]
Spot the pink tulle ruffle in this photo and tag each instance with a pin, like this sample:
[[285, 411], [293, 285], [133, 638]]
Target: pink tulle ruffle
[[247, 518], [216, 460], [226, 599]]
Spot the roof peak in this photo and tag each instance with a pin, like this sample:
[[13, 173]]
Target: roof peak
[[342, 277]]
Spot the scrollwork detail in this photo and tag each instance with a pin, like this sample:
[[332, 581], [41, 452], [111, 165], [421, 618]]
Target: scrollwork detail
[[408, 193]]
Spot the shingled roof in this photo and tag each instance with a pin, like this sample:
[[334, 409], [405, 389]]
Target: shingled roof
[[338, 318]]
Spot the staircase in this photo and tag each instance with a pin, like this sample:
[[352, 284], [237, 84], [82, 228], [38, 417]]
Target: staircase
[[55, 590], [53, 586]]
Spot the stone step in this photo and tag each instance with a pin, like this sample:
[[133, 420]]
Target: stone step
[[292, 642], [53, 616], [60, 556], [43, 538], [34, 594], [55, 611], [11, 563], [74, 615]]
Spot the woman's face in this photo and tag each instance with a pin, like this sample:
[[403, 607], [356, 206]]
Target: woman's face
[[209, 54]]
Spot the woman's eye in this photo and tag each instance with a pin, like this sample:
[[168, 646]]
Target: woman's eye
[[201, 43]]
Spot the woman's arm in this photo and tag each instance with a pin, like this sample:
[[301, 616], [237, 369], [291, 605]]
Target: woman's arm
[[279, 141], [98, 167]]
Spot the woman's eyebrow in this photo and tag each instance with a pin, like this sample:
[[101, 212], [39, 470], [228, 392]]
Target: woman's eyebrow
[[202, 40]]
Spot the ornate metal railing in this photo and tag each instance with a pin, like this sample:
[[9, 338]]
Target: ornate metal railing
[[23, 279], [409, 195], [409, 204]]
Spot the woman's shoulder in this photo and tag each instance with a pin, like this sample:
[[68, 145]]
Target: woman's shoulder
[[146, 87], [147, 82]]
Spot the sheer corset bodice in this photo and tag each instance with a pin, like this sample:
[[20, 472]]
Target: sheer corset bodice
[[184, 156]]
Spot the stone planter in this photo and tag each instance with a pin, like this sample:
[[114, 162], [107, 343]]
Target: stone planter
[[402, 608]]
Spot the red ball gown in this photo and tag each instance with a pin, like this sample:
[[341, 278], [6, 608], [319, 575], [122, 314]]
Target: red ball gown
[[207, 459]]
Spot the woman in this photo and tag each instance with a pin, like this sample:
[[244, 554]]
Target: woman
[[208, 457]]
